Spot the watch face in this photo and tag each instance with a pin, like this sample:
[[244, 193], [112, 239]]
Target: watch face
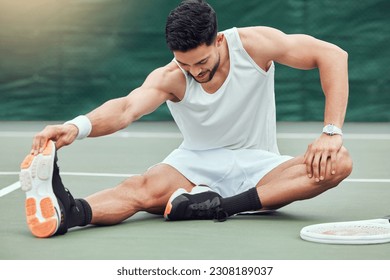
[[330, 129]]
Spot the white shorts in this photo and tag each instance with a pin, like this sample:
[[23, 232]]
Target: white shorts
[[228, 172]]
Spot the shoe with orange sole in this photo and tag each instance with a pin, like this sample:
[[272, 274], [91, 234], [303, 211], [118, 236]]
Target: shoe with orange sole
[[39, 179]]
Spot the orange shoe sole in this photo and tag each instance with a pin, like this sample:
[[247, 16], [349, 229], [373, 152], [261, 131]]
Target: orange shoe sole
[[168, 207], [41, 203]]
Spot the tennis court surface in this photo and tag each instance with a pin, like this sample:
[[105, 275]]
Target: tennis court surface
[[94, 164]]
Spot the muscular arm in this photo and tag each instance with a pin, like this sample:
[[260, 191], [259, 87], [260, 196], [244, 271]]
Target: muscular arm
[[118, 113], [299, 51], [332, 65], [162, 84]]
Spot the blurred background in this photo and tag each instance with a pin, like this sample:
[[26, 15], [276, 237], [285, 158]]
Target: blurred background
[[62, 58]]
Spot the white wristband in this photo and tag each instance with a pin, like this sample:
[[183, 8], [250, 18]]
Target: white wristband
[[83, 124]]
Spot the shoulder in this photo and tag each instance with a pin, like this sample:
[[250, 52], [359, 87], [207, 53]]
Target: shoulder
[[262, 43], [266, 36], [302, 51], [168, 79]]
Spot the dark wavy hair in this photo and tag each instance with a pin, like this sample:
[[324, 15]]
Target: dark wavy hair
[[191, 24]]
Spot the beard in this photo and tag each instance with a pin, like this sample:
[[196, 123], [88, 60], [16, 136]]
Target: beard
[[211, 73]]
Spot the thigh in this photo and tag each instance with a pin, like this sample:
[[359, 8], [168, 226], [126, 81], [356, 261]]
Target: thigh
[[147, 192], [275, 172], [344, 165]]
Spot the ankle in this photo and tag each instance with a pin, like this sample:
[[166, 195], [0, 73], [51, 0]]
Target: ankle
[[80, 213], [246, 201]]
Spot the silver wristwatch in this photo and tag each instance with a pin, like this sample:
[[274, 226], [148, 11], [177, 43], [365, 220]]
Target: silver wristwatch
[[331, 130]]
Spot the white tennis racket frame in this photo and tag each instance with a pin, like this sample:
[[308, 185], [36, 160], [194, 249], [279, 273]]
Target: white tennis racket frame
[[372, 231]]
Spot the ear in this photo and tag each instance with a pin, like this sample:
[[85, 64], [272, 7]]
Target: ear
[[219, 40]]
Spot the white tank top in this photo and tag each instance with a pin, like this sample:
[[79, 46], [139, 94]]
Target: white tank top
[[239, 115]]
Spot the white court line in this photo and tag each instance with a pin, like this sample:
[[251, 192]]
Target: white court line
[[353, 136], [88, 174], [16, 185], [119, 134], [9, 189], [178, 135]]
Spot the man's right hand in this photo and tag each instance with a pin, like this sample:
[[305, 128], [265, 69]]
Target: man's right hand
[[61, 134]]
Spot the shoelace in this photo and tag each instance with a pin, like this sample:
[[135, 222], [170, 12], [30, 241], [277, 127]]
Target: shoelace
[[209, 209]]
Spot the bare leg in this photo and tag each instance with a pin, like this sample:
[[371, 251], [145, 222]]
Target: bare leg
[[289, 181], [284, 184], [147, 192]]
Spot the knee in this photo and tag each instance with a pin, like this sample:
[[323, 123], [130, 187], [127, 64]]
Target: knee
[[345, 162], [144, 191], [133, 183], [344, 166]]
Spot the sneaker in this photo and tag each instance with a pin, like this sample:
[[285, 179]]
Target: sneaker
[[47, 201], [200, 204]]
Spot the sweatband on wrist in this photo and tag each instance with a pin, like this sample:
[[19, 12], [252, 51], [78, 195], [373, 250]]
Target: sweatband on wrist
[[83, 124]]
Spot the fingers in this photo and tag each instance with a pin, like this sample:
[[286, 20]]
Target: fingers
[[308, 160], [316, 162], [316, 165], [61, 134], [333, 162], [322, 167], [39, 143]]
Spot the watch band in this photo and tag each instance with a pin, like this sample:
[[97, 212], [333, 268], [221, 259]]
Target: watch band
[[331, 129]]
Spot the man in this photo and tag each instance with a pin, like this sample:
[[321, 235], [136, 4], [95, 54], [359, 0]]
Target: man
[[220, 91]]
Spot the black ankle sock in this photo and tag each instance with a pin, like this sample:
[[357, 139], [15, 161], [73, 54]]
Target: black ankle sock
[[81, 214], [246, 201]]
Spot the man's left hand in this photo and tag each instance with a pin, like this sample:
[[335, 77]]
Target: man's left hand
[[318, 154]]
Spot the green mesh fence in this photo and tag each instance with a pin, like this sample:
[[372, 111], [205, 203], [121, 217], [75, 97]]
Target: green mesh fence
[[62, 58]]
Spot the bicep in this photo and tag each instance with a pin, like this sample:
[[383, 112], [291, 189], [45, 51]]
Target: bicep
[[143, 101], [150, 95], [299, 51]]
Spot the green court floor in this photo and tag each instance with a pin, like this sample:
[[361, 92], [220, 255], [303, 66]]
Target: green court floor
[[94, 164]]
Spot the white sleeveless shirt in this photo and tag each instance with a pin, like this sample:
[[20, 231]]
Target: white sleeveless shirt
[[239, 115]]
